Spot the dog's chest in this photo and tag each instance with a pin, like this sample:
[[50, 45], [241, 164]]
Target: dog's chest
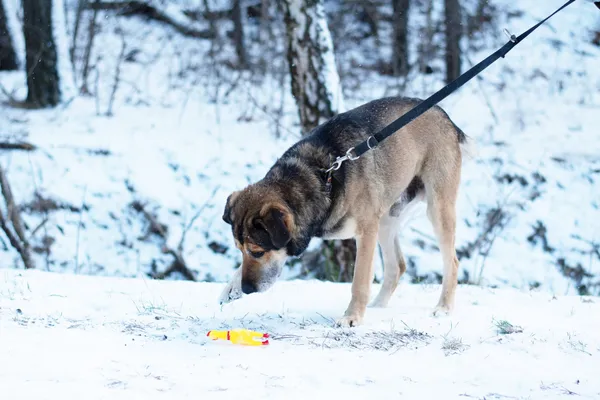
[[344, 229]]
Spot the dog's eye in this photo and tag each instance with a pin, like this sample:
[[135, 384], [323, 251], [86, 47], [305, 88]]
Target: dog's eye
[[257, 254]]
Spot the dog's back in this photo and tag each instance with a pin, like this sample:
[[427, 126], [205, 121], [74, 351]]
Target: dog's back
[[427, 144], [350, 128]]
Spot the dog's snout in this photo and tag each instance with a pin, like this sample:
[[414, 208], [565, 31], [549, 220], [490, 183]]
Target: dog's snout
[[248, 287]]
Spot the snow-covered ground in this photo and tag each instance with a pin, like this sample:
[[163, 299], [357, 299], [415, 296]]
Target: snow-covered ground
[[186, 131], [64, 336]]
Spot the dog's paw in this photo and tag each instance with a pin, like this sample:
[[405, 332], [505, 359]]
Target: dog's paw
[[230, 294], [349, 321], [441, 311]]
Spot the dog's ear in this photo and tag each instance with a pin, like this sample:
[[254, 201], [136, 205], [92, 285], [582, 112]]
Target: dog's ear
[[228, 205], [273, 220]]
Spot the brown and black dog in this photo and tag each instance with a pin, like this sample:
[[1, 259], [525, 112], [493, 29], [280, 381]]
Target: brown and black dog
[[367, 199]]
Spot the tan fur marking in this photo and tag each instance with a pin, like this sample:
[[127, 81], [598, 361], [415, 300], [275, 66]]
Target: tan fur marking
[[288, 219]]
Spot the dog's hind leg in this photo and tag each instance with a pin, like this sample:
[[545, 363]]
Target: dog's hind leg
[[393, 260], [390, 226], [441, 210]]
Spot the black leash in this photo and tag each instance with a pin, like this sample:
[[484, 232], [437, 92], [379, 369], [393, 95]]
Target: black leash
[[354, 153]]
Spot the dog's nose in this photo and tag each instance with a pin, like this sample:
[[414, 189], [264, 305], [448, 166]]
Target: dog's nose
[[248, 287]]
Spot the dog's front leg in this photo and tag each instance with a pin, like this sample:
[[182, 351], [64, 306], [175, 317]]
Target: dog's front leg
[[233, 290], [363, 277]]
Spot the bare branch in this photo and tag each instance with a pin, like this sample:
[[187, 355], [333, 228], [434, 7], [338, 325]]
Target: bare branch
[[17, 146], [37, 228], [11, 210], [178, 264], [16, 239], [81, 5], [81, 210], [88, 52], [128, 8], [111, 100], [194, 218], [14, 242]]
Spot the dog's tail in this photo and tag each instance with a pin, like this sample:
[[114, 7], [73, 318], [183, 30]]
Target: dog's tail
[[468, 147]]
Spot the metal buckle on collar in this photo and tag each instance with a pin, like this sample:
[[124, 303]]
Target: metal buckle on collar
[[338, 162]]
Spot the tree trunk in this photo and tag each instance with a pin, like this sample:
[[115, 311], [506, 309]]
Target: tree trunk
[[238, 17], [265, 30], [41, 54], [8, 56], [453, 36], [425, 48], [369, 15], [315, 81], [400, 39], [317, 90]]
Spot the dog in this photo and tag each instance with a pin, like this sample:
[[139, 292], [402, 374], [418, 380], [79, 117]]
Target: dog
[[365, 199]]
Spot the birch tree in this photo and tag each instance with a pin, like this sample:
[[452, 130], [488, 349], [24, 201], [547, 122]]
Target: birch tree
[[316, 84]]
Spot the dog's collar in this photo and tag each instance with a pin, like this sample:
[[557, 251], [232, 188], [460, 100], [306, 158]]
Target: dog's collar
[[328, 176]]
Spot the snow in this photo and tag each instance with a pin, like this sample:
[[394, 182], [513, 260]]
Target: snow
[[70, 336]]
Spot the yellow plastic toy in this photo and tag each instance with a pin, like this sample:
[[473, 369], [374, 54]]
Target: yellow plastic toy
[[241, 336]]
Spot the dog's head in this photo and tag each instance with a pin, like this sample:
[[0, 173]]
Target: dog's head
[[262, 226]]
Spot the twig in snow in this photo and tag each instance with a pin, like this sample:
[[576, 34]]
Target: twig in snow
[[17, 146], [577, 345], [558, 387], [37, 228], [120, 60], [16, 236], [178, 264], [194, 218], [97, 87], [10, 96], [46, 239], [79, 229], [504, 327], [331, 320]]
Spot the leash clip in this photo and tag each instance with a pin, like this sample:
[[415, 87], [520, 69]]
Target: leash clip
[[511, 37], [338, 162]]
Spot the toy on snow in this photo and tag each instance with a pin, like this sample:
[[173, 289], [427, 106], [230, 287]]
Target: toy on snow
[[241, 336]]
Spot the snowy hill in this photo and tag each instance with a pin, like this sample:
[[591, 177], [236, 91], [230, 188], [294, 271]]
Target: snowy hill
[[185, 132], [65, 336]]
